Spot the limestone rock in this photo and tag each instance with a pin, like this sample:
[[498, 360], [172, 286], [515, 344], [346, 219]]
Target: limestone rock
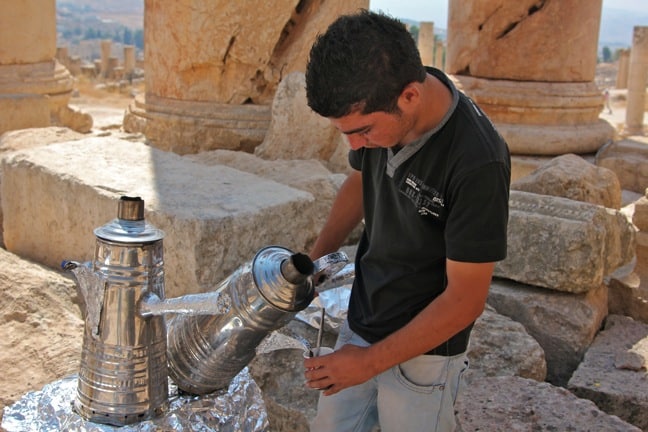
[[28, 138], [613, 373], [640, 215], [215, 218], [41, 326], [500, 346], [496, 36], [571, 176], [307, 175], [296, 132], [498, 404], [563, 324], [564, 245], [627, 294], [628, 159]]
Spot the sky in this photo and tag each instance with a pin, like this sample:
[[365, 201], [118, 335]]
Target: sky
[[437, 10]]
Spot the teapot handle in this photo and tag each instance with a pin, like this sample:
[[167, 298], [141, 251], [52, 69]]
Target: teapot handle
[[329, 265]]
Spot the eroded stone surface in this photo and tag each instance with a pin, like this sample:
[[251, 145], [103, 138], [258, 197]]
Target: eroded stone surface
[[613, 373], [496, 39], [41, 326], [498, 404], [500, 346], [628, 159], [215, 217], [562, 244], [564, 324], [296, 132], [571, 176]]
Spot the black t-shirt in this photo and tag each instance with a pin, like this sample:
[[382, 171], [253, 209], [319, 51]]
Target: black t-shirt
[[445, 196]]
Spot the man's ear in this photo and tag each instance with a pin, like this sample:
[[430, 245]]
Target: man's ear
[[410, 96]]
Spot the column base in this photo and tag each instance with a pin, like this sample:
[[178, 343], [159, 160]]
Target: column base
[[40, 93], [541, 118], [187, 127]]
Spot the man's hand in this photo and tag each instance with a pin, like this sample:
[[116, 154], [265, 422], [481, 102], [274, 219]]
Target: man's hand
[[350, 365]]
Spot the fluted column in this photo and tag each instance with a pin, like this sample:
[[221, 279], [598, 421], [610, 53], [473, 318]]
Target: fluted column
[[530, 72]]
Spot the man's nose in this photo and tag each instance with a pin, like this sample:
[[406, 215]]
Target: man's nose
[[356, 141]]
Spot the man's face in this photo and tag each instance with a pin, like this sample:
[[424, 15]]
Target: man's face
[[377, 129]]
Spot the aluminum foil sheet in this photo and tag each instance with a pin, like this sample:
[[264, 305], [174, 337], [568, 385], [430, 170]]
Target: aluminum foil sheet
[[240, 408], [336, 303]]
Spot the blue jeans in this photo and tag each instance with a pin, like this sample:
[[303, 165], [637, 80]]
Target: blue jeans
[[417, 395]]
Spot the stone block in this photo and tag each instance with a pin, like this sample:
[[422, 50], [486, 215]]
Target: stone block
[[41, 326], [613, 373], [22, 111], [563, 324], [640, 215], [628, 292], [307, 175], [499, 404], [628, 158], [500, 346], [571, 176], [292, 120], [215, 218], [562, 244]]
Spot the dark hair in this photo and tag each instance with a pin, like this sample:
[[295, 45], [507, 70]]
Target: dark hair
[[363, 62]]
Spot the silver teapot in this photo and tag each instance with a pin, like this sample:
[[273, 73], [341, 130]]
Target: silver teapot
[[123, 368]]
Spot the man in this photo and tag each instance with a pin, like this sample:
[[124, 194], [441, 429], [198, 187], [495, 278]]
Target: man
[[431, 182]]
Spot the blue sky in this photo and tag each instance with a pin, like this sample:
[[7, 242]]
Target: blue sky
[[437, 10]]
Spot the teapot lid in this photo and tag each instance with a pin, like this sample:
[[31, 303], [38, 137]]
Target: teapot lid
[[283, 278], [130, 226]]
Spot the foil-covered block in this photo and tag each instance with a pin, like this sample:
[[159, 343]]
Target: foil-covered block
[[239, 408]]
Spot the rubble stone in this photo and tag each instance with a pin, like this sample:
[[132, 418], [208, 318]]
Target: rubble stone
[[564, 324], [562, 244], [613, 373]]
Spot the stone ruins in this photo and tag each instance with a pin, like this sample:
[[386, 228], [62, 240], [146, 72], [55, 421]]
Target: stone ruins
[[229, 159]]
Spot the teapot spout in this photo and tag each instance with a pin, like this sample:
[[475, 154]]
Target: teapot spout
[[211, 303], [91, 288]]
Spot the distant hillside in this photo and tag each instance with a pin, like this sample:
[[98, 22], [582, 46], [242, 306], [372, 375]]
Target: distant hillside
[[111, 6], [617, 26], [615, 32]]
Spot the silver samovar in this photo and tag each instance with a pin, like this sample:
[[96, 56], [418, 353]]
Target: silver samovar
[[211, 336], [205, 352], [123, 368]]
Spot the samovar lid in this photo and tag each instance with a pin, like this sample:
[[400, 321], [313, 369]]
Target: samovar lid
[[283, 278], [129, 226]]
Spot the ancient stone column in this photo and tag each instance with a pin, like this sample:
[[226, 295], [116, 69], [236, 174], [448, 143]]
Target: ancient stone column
[[426, 42], [624, 66], [213, 67], [637, 77], [129, 60], [63, 56], [106, 49], [439, 53], [530, 64], [34, 87]]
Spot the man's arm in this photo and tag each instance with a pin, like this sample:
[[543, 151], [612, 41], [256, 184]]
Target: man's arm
[[346, 213], [459, 305]]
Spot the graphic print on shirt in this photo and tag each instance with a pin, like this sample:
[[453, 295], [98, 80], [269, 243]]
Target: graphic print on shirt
[[427, 200]]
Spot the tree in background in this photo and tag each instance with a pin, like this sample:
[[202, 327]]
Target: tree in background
[[607, 55]]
